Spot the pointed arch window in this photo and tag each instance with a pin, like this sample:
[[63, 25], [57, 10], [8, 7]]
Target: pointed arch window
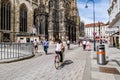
[[5, 15], [50, 4], [23, 18]]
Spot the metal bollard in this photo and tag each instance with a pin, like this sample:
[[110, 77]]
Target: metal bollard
[[101, 55]]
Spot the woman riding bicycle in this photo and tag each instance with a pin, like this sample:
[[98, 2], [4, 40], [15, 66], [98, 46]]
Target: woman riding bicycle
[[59, 49]]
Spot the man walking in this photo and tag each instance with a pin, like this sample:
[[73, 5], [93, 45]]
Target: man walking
[[45, 45]]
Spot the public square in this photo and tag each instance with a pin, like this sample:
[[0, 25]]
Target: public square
[[29, 27], [78, 65]]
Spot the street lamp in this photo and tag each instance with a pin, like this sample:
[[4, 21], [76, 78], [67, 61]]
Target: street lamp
[[119, 36], [93, 21]]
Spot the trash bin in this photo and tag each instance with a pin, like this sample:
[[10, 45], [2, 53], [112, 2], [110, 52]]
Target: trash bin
[[101, 59]]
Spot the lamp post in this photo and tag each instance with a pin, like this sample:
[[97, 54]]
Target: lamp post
[[93, 21], [119, 36], [100, 39]]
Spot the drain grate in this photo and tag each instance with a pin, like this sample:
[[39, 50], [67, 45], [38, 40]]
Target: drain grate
[[109, 70]]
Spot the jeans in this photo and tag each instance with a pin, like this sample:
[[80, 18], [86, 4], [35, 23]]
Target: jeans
[[46, 49]]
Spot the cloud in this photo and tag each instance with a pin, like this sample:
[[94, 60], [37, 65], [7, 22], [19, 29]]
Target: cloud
[[101, 13]]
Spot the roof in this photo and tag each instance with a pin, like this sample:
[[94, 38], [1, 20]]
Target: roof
[[96, 24]]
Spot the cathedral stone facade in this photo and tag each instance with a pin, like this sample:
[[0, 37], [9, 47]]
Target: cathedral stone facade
[[50, 19]]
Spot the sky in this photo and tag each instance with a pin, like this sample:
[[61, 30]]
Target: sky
[[86, 14]]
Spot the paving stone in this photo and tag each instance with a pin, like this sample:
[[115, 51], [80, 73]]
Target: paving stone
[[106, 72], [41, 67]]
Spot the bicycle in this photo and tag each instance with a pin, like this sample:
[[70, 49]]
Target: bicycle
[[57, 62]]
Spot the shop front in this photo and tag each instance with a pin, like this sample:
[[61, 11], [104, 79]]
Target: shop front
[[114, 40]]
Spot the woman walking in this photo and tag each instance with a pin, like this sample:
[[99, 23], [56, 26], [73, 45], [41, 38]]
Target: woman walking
[[88, 46]]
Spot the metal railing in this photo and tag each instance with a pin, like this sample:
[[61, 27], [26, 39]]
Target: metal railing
[[9, 50]]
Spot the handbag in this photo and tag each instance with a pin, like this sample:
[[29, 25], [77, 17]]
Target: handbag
[[63, 48]]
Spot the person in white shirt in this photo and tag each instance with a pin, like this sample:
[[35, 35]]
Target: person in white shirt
[[35, 46], [59, 46], [68, 44], [84, 44]]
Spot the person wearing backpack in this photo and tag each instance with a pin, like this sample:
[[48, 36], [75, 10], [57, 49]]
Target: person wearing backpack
[[46, 45]]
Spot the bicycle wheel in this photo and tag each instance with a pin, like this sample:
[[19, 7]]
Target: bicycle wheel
[[57, 61]]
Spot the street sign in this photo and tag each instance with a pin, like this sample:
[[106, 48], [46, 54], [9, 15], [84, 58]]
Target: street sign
[[94, 33], [111, 30]]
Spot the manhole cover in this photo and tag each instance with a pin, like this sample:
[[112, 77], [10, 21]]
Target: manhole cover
[[109, 70]]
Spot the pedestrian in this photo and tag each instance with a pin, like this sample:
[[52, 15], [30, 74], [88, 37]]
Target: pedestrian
[[68, 43], [60, 49], [100, 41], [88, 46], [84, 44], [41, 42], [78, 43], [46, 45], [35, 46]]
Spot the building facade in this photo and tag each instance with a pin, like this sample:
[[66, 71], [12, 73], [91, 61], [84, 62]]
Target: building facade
[[16, 18], [100, 31], [114, 22], [50, 19], [82, 30]]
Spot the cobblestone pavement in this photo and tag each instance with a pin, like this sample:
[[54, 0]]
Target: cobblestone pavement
[[109, 71], [41, 67]]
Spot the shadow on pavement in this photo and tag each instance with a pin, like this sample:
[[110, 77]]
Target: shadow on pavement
[[70, 49], [50, 53], [38, 54], [118, 62], [66, 62]]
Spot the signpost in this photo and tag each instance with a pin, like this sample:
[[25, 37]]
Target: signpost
[[94, 33]]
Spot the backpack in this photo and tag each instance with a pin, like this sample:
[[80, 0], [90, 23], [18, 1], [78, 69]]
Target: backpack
[[45, 43], [63, 47]]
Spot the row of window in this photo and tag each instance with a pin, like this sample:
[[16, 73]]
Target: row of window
[[6, 16]]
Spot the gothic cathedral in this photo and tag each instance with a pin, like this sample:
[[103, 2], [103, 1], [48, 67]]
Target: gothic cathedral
[[48, 19]]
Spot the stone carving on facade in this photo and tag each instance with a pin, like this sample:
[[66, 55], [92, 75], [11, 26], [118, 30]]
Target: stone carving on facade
[[53, 19]]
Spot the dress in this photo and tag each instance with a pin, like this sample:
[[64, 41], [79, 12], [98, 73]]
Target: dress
[[88, 46]]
